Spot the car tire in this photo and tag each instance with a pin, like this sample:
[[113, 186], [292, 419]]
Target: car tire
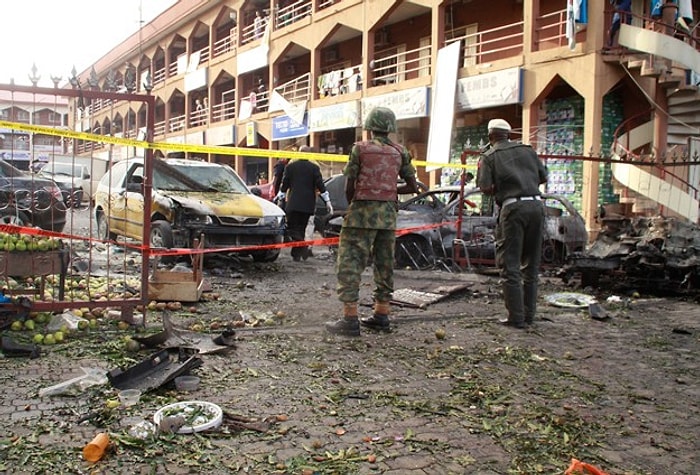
[[413, 252], [553, 253], [103, 231], [12, 216], [265, 256], [162, 237]]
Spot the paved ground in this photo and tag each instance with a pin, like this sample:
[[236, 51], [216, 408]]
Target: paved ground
[[621, 394]]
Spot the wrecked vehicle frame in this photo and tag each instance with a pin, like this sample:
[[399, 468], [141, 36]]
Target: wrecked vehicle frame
[[649, 254], [427, 229]]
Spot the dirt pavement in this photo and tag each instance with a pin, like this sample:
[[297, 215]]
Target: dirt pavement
[[621, 394]]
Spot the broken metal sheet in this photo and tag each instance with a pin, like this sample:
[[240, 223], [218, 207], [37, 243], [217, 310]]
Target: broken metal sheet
[[155, 371], [421, 299], [173, 337], [570, 300]]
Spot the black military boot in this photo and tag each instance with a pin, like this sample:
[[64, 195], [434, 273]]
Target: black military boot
[[380, 320]]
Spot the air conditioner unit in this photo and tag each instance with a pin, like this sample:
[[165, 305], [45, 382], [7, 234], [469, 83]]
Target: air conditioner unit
[[330, 55]]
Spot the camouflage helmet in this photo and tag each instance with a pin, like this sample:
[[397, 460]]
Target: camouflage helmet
[[381, 119]]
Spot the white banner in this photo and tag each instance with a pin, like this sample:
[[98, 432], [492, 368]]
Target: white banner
[[443, 106], [490, 90], [405, 104]]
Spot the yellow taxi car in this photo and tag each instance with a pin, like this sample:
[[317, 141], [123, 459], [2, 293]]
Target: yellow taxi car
[[189, 198]]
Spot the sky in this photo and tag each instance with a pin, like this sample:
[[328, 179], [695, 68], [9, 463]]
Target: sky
[[57, 35]]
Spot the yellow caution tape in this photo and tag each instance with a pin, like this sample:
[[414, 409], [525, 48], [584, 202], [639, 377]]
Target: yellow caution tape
[[215, 149]]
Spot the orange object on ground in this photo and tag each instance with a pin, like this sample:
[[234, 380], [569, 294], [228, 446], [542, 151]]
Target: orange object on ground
[[97, 447], [582, 468]]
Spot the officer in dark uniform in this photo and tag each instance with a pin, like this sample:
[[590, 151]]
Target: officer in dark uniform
[[370, 223], [513, 172], [300, 182]]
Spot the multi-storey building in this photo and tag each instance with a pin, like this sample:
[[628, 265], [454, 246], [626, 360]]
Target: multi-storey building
[[22, 148], [272, 75]]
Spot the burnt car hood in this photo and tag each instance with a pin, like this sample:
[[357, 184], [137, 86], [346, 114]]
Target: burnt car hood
[[222, 204]]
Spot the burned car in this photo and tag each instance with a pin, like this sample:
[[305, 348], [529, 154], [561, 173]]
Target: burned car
[[427, 229], [189, 199], [657, 255], [27, 200], [335, 185]]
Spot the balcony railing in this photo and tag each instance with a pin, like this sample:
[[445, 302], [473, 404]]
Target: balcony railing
[[226, 44], [226, 109], [203, 55], [550, 30], [159, 128], [296, 90], [176, 123], [159, 76], [253, 32], [488, 45], [292, 13], [198, 117], [394, 65]]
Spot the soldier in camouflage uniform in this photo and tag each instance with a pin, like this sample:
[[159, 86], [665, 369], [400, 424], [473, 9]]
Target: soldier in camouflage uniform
[[370, 223], [512, 172]]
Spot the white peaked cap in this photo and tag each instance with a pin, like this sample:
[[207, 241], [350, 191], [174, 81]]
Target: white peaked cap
[[498, 124]]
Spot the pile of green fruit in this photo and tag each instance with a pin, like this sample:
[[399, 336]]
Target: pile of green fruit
[[23, 242]]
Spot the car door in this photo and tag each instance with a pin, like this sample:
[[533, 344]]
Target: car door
[[133, 202], [110, 197]]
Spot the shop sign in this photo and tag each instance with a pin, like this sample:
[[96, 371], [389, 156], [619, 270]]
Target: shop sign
[[224, 135], [490, 90], [338, 116], [251, 134], [284, 127], [406, 104]]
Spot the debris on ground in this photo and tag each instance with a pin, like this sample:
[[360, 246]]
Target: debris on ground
[[652, 254]]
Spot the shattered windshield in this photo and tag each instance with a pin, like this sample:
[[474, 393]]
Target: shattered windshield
[[197, 176]]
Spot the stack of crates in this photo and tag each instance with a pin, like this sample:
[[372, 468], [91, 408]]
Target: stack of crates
[[612, 117], [561, 125]]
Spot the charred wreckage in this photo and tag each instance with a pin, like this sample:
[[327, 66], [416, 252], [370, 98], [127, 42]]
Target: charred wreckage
[[649, 254]]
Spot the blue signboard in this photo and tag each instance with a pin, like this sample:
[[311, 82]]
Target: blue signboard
[[284, 127]]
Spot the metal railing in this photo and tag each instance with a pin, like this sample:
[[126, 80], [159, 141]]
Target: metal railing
[[253, 32], [401, 65], [550, 30], [226, 109], [226, 44], [292, 13], [176, 123], [484, 46], [159, 76], [296, 90]]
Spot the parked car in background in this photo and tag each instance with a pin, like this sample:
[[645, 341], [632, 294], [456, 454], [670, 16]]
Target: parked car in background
[[29, 200], [189, 199], [73, 179], [335, 185], [427, 225]]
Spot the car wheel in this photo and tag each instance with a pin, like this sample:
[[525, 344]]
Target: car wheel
[[265, 256], [12, 216], [103, 231], [553, 253], [161, 234], [413, 252]]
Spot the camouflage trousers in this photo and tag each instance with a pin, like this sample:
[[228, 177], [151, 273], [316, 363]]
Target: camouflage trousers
[[356, 247]]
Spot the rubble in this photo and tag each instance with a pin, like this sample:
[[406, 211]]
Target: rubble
[[656, 255]]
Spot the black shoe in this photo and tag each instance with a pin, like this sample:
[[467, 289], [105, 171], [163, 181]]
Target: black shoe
[[509, 323], [344, 326], [377, 322], [296, 258]]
